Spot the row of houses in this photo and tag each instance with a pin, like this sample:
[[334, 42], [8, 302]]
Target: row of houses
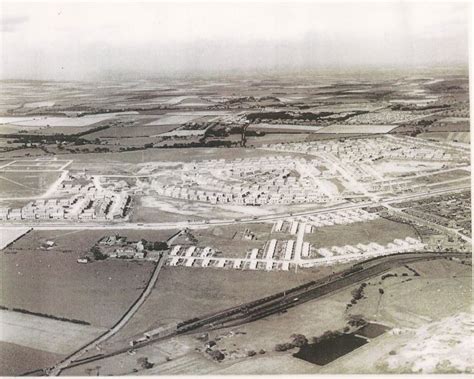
[[280, 196], [230, 263], [398, 245], [268, 259], [93, 205], [342, 217], [370, 149]]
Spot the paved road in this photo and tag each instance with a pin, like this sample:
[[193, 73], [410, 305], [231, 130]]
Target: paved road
[[56, 370]]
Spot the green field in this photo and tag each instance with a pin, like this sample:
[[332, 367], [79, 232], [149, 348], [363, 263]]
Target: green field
[[442, 177], [52, 282], [222, 238], [381, 231], [182, 293], [31, 359]]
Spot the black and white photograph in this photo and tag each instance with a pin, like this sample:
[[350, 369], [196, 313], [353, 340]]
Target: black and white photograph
[[235, 188]]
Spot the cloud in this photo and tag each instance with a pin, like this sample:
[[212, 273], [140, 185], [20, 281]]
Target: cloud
[[12, 23]]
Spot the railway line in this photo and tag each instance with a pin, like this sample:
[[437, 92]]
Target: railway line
[[309, 291], [282, 301]]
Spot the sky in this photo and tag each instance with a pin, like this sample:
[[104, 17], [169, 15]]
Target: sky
[[90, 40]]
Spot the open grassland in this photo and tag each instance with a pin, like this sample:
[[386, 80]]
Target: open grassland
[[442, 177], [147, 214], [22, 153], [16, 360], [24, 184], [229, 241], [464, 137], [52, 282], [381, 231], [182, 293]]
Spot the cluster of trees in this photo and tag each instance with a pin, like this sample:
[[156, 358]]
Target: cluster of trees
[[48, 139], [298, 340], [358, 293], [326, 335], [157, 245], [389, 275], [300, 116], [212, 143], [217, 355], [356, 321], [145, 363], [97, 253], [223, 132]]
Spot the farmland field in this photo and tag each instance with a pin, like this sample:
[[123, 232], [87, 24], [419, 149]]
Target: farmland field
[[31, 165], [381, 231], [42, 333], [174, 119], [32, 359], [95, 293], [284, 127], [45, 130], [357, 129], [40, 121], [221, 239]]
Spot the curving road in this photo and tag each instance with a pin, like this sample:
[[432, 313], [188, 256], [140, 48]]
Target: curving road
[[56, 370]]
